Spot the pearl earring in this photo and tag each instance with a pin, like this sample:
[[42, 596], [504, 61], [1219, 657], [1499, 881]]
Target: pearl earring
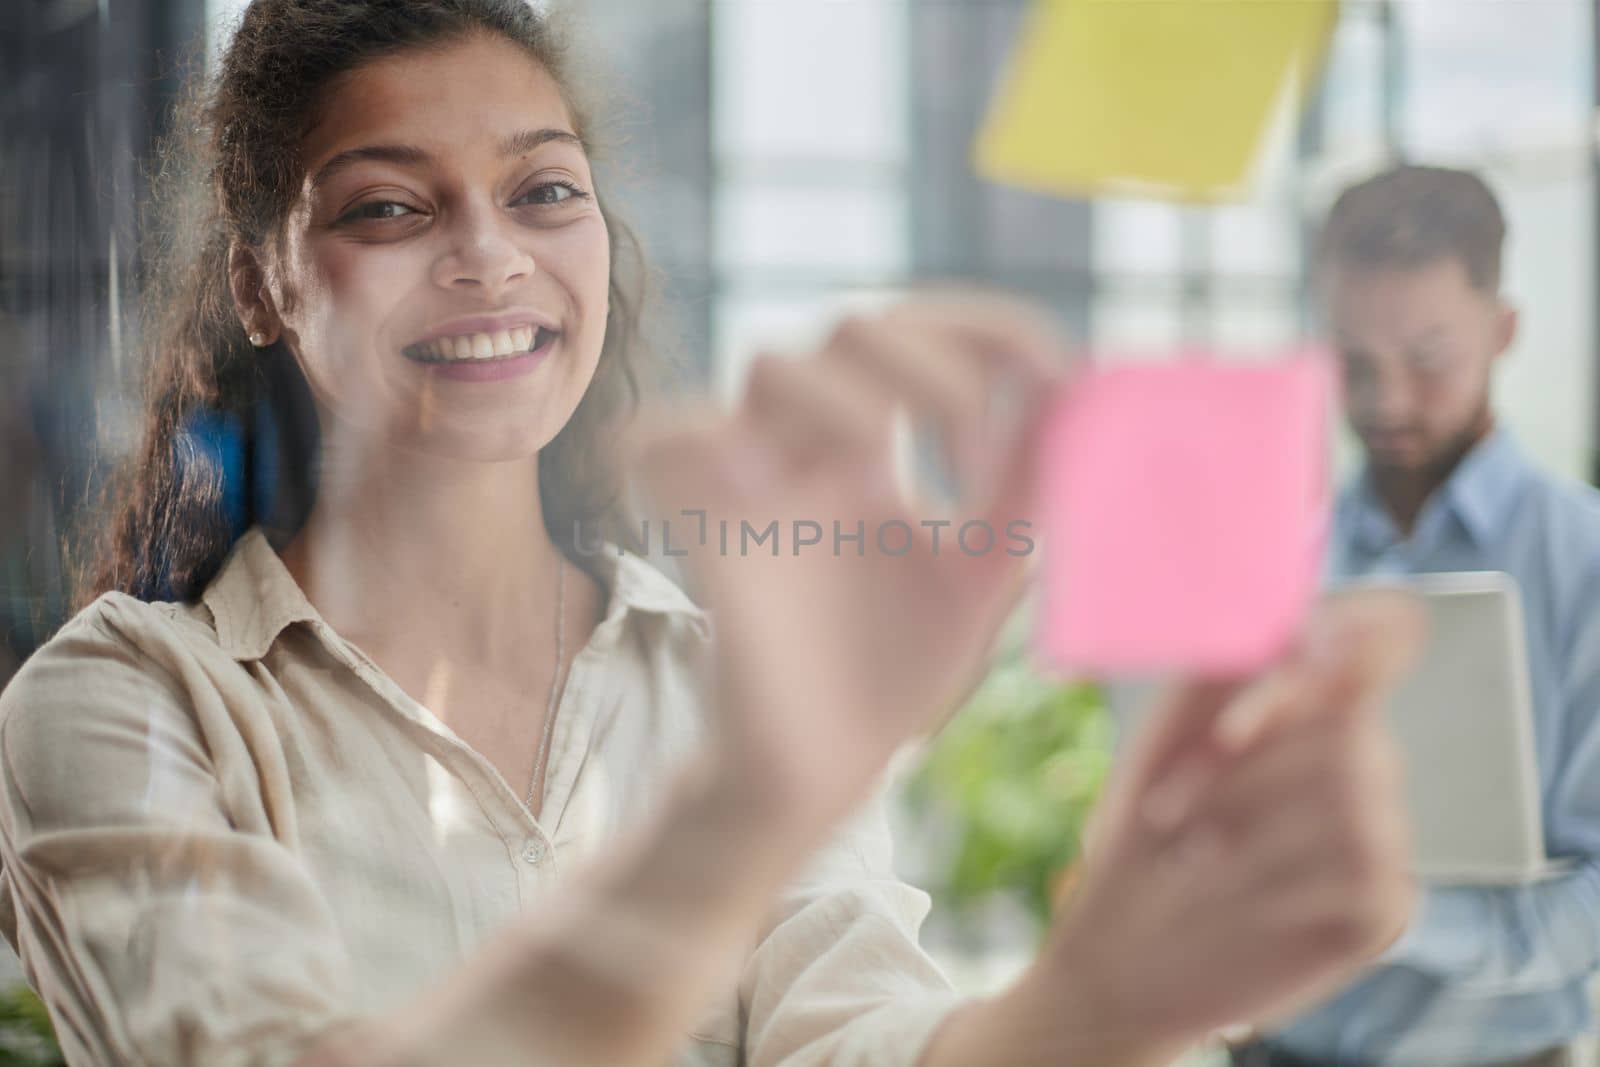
[[258, 339]]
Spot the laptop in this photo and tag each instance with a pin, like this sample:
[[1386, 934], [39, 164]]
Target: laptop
[[1464, 722]]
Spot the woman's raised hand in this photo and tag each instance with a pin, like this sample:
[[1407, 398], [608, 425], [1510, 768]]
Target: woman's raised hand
[[832, 654], [1251, 853]]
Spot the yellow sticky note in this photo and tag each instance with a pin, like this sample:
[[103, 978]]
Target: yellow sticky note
[[1156, 97]]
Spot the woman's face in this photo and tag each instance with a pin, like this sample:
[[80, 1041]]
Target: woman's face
[[444, 274]]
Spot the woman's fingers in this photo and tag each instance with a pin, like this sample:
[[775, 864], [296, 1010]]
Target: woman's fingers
[[913, 367], [911, 362], [1289, 735], [943, 363], [813, 413], [1340, 876], [1000, 330], [1198, 747], [1308, 826], [1302, 774], [1143, 788], [1329, 800], [1357, 646], [978, 369], [794, 419], [1027, 363]]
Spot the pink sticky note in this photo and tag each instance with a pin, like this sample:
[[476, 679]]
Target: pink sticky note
[[1186, 508]]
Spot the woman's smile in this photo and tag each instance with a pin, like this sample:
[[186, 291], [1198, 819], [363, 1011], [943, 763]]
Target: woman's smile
[[486, 347], [506, 354]]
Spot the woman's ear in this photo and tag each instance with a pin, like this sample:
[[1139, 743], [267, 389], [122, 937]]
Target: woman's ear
[[248, 283]]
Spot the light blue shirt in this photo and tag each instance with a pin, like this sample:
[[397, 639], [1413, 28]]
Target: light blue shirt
[[1492, 974]]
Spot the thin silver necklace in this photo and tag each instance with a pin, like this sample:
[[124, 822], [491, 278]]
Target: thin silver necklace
[[536, 787]]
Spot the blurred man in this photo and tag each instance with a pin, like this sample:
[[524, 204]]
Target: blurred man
[[1408, 275]]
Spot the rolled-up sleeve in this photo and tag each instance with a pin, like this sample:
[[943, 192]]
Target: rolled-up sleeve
[[839, 977], [158, 914]]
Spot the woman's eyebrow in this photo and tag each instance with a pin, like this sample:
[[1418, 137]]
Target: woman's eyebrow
[[410, 155], [528, 140]]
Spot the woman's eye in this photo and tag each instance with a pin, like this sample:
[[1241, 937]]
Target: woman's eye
[[548, 193], [378, 209]]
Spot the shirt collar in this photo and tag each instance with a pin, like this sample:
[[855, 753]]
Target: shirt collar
[[1485, 487], [1480, 492], [254, 597], [638, 587]]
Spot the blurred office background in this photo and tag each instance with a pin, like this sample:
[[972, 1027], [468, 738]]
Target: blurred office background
[[786, 159]]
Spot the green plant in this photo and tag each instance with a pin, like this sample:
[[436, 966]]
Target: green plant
[[1007, 786], [26, 1037]]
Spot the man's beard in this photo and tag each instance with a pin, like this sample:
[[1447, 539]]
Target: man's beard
[[1438, 464]]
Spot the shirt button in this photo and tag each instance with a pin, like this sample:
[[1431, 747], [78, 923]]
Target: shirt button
[[533, 851]]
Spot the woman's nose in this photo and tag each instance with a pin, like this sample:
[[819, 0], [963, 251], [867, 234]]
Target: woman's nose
[[485, 255]]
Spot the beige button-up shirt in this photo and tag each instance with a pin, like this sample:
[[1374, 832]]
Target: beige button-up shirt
[[224, 829]]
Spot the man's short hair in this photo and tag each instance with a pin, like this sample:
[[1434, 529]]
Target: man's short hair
[[1413, 216]]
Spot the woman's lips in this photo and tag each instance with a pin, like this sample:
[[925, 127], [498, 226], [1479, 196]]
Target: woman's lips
[[497, 344], [493, 369]]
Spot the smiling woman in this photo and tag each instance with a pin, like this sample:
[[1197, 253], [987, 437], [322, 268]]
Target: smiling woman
[[401, 775], [419, 226], [381, 238]]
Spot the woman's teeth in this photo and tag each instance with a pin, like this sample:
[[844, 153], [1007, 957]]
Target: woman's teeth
[[481, 345]]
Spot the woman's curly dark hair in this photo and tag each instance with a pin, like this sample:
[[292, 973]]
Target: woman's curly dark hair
[[231, 171]]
